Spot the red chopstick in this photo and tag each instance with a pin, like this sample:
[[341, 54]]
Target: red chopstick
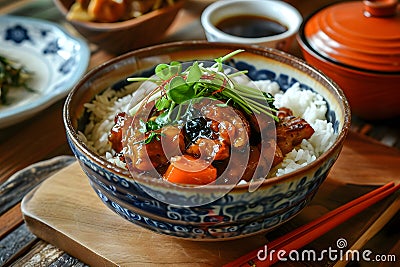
[[311, 231]]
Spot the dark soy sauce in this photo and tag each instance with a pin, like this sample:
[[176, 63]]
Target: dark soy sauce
[[250, 26]]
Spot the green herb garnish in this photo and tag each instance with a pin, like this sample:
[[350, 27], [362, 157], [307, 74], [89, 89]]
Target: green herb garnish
[[12, 76], [176, 87]]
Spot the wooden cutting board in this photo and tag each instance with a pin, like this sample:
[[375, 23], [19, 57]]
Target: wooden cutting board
[[65, 211]]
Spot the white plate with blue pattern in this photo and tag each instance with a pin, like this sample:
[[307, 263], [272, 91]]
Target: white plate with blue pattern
[[56, 58]]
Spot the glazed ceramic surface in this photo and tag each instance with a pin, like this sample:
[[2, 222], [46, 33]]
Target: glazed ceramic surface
[[358, 46], [278, 11], [236, 214], [56, 59], [351, 33], [372, 96], [121, 37]]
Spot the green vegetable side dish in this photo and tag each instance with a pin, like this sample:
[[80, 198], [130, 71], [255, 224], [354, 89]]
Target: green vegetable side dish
[[12, 76], [177, 86]]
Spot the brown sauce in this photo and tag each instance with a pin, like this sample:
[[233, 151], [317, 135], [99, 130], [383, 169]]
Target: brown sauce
[[250, 26]]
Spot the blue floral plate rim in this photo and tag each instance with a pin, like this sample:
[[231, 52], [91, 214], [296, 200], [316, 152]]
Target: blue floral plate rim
[[57, 58]]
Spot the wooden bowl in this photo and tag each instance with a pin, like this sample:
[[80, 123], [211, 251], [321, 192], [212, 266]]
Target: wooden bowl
[[120, 37]]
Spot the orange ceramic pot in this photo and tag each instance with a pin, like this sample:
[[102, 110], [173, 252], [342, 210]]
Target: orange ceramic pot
[[357, 44]]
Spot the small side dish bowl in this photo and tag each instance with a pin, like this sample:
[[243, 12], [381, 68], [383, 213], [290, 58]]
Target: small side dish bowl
[[238, 212], [357, 44], [122, 36], [275, 14], [56, 60]]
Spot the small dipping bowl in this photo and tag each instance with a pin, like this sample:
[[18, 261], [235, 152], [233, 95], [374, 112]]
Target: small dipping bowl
[[270, 12]]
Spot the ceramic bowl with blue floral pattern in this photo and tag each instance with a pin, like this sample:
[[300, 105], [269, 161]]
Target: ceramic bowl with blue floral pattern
[[56, 59], [240, 212]]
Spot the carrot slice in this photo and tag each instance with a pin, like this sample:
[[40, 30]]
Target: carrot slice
[[191, 171]]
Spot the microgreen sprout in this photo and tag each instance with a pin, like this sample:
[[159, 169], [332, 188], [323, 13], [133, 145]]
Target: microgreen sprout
[[176, 86]]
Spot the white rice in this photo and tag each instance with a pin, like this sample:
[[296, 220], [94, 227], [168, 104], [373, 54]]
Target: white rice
[[304, 103], [311, 107]]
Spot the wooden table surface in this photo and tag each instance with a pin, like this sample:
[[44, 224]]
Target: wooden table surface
[[43, 136]]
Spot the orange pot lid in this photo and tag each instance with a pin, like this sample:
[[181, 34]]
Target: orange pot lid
[[360, 34]]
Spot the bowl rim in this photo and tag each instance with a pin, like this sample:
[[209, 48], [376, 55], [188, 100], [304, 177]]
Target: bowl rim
[[97, 26], [304, 44], [215, 6], [252, 49]]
